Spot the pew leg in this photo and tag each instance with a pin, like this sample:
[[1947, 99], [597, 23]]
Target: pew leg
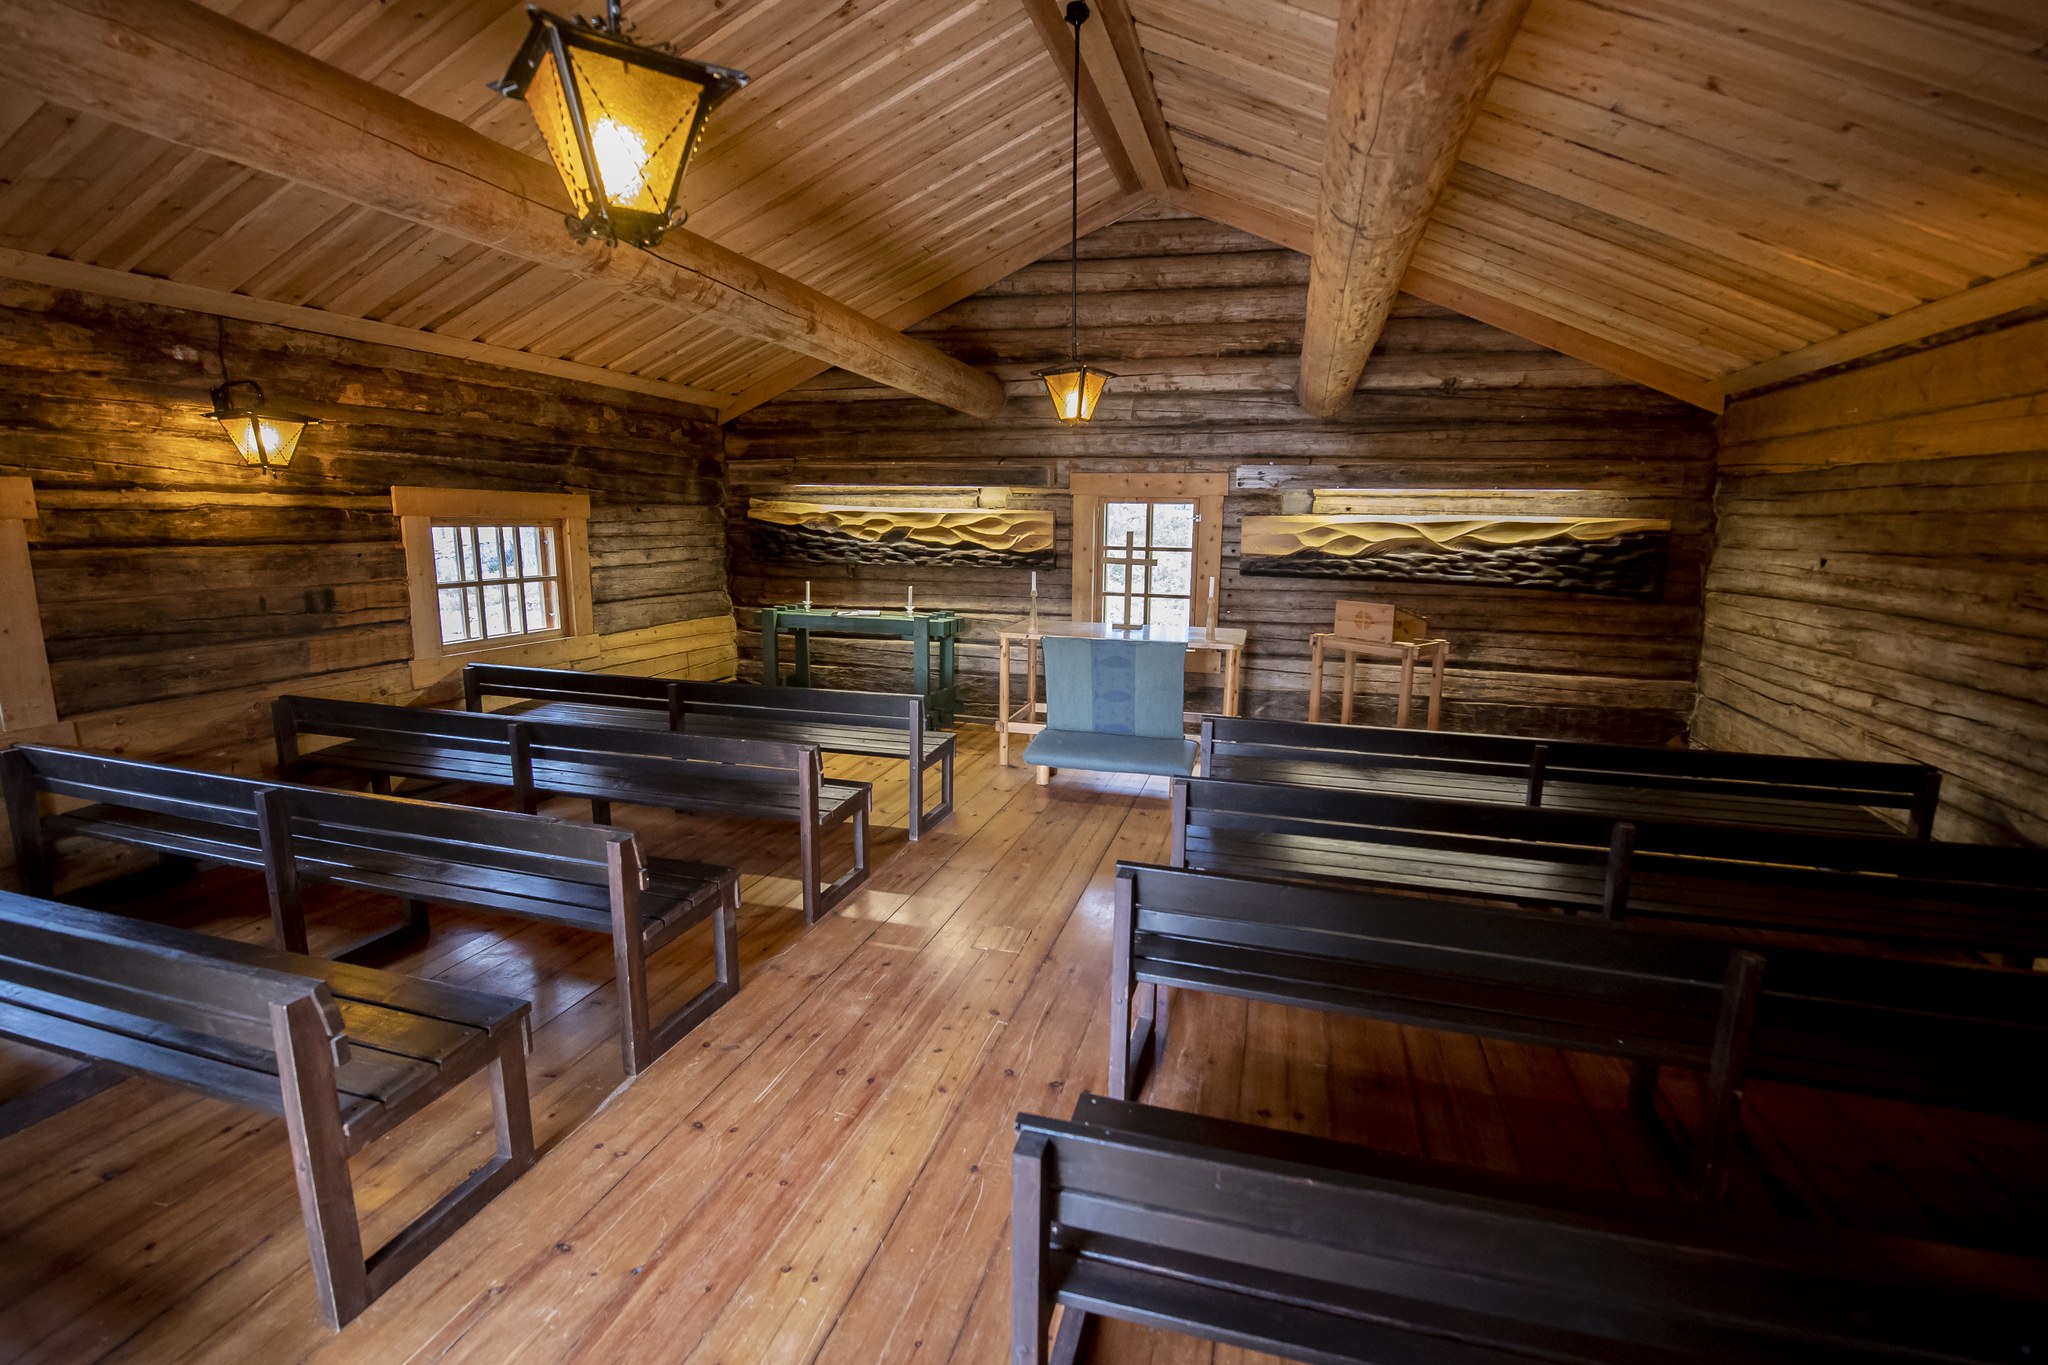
[[600, 812], [725, 982], [1071, 1337], [320, 1161], [915, 823], [379, 784], [379, 949], [512, 1118]]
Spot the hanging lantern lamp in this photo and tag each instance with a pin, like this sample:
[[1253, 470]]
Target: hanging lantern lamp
[[265, 437], [1074, 386], [620, 119]]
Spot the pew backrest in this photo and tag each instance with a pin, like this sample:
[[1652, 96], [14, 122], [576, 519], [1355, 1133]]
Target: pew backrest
[[1954, 895], [1322, 1251], [1316, 753]]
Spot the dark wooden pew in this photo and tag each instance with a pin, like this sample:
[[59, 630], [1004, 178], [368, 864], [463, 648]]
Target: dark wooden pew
[[1579, 985], [344, 1053], [581, 876], [1891, 891], [864, 724], [749, 778], [1318, 1251], [1958, 1035], [1824, 795]]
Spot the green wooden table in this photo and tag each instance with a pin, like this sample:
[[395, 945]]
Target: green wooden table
[[923, 629]]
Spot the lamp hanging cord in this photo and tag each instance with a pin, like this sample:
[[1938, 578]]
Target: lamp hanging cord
[[1077, 15]]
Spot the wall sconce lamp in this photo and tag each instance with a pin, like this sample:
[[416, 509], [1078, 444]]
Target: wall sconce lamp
[[266, 437]]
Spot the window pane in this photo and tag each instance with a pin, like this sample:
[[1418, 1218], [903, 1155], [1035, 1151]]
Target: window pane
[[1120, 519], [530, 562], [494, 609], [1168, 611], [489, 554], [1173, 571], [1173, 524], [537, 615], [1113, 609], [447, 555], [466, 537], [1113, 578], [547, 556], [454, 627], [515, 609], [554, 604]]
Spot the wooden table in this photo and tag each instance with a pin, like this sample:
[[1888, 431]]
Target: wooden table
[[1227, 641], [922, 629], [1406, 652]]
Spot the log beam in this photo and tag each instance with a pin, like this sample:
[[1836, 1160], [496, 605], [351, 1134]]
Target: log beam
[[1136, 147], [178, 71], [1407, 84]]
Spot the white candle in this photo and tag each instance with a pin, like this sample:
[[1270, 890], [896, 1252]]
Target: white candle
[[1034, 580], [807, 594], [910, 600]]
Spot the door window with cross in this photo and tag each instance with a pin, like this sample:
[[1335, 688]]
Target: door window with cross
[[1147, 562]]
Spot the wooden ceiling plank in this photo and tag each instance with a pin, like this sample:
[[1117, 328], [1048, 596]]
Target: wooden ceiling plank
[[1406, 87], [1824, 311], [1629, 316], [1994, 298], [276, 109], [1586, 175], [1694, 304], [1775, 109], [1925, 257], [1696, 389], [292, 216], [92, 279]]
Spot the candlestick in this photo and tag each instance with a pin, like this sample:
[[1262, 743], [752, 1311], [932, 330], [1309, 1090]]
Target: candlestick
[[909, 601], [1032, 627]]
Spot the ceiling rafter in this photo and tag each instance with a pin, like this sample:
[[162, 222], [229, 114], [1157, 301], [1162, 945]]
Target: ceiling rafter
[[1407, 85]]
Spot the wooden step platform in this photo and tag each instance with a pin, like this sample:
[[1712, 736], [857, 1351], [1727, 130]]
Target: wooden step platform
[[820, 1172]]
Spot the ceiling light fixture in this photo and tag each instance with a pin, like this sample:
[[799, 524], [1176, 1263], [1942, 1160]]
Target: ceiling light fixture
[[1074, 387], [621, 119]]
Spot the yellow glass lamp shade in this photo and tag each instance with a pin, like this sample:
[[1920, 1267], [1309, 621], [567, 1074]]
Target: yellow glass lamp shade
[[1074, 389], [265, 438], [620, 120]]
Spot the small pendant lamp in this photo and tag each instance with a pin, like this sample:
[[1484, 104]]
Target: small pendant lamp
[[1074, 386], [620, 119]]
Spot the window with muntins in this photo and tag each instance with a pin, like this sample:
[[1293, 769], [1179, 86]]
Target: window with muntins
[[1147, 562], [497, 582]]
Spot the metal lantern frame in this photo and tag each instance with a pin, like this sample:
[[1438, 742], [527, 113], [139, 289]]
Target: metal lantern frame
[[564, 40], [1069, 386], [255, 411]]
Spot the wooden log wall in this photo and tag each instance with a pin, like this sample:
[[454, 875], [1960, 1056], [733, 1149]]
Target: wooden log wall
[[1882, 590], [1204, 323], [180, 591]]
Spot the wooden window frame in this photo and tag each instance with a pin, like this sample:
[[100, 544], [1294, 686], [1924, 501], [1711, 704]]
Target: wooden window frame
[[418, 509], [1090, 491], [28, 703]]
